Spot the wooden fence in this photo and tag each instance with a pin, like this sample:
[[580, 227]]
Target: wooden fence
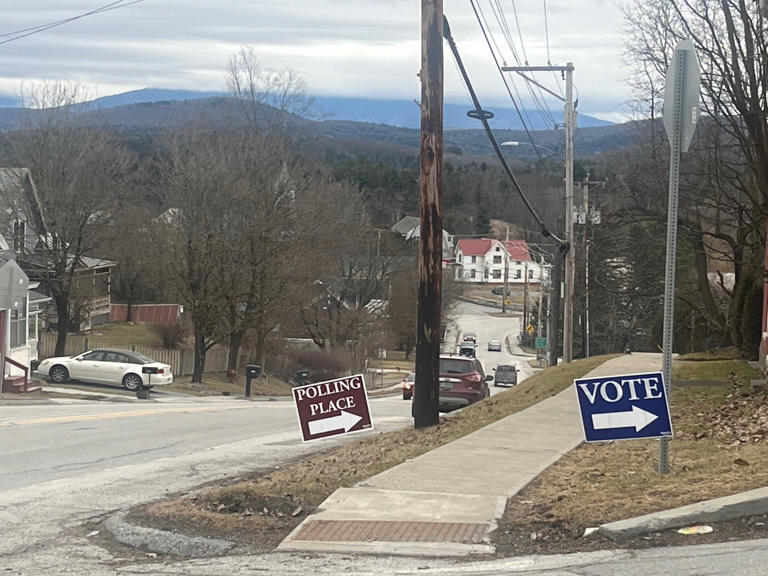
[[181, 361], [150, 313]]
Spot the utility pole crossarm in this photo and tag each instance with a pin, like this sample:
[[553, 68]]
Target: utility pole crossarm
[[567, 68]]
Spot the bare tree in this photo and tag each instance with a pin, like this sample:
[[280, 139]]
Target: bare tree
[[77, 172], [725, 190]]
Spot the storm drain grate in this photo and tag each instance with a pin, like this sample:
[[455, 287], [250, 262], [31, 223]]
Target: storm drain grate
[[391, 531]]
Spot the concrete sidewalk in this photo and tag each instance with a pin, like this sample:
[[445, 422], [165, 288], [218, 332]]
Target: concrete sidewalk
[[447, 501]]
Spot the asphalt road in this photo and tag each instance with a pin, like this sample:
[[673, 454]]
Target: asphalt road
[[63, 466], [489, 324]]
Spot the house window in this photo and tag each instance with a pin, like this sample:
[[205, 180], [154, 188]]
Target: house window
[[497, 274], [18, 326], [518, 262], [472, 272], [497, 259], [474, 259], [485, 273], [497, 249], [518, 273], [530, 274], [459, 257]]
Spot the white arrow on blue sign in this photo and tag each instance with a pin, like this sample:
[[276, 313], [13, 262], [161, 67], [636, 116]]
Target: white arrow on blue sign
[[623, 407]]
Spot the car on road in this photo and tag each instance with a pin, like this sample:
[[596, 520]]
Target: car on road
[[506, 375], [469, 337], [462, 382], [107, 366], [468, 349], [494, 345], [499, 290], [408, 383]]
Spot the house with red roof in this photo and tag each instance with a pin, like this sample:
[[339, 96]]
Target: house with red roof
[[482, 260]]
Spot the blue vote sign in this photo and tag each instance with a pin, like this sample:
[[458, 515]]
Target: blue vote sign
[[623, 407]]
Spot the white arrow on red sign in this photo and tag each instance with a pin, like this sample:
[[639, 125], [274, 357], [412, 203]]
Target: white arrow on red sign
[[637, 419], [345, 421]]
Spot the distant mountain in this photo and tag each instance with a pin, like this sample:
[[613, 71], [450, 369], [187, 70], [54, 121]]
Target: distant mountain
[[152, 95], [400, 113], [175, 108], [406, 114], [9, 102]]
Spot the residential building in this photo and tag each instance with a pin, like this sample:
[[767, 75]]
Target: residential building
[[23, 223], [482, 260]]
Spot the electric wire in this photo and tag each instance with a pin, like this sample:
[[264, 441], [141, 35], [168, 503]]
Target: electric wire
[[24, 33], [549, 58], [539, 101], [489, 38], [483, 115], [498, 12], [509, 90]]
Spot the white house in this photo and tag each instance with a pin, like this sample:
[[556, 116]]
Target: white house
[[19, 309], [481, 260]]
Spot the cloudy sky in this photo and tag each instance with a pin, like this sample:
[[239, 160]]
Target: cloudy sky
[[367, 48]]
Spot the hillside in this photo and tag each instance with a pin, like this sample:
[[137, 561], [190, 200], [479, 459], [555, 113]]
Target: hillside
[[223, 112]]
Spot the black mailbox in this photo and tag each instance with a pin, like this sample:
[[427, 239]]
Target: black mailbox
[[252, 371], [149, 369]]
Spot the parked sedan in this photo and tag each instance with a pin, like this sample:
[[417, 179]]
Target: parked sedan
[[106, 366], [494, 346], [408, 383], [462, 382]]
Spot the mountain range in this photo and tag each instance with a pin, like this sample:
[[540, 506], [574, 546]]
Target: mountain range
[[151, 110], [399, 113]]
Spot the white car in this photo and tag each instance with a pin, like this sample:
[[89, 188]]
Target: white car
[[494, 345], [106, 366]]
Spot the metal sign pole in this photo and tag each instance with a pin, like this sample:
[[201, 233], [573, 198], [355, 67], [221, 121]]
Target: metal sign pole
[[681, 109]]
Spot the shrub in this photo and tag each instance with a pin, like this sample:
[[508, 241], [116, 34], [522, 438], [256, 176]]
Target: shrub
[[171, 334]]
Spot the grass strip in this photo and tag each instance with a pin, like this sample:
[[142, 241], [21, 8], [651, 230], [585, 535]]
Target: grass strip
[[278, 500]]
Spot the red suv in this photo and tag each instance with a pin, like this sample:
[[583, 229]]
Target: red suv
[[462, 382]]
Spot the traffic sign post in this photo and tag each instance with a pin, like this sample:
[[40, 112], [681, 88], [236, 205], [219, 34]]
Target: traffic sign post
[[624, 407], [681, 113], [541, 342], [332, 408]]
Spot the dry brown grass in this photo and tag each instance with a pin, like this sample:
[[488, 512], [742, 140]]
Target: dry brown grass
[[300, 487], [598, 483], [215, 384]]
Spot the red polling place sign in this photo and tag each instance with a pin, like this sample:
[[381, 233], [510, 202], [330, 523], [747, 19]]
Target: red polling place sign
[[333, 407]]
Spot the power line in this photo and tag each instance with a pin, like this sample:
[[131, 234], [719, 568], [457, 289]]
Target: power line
[[504, 79], [483, 115], [25, 32]]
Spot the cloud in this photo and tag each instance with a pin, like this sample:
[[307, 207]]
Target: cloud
[[341, 47]]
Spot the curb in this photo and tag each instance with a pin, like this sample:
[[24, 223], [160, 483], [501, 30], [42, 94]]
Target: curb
[[751, 503], [162, 541]]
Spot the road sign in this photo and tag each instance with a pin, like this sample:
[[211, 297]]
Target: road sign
[[682, 85], [333, 407], [623, 407], [541, 342], [529, 329]]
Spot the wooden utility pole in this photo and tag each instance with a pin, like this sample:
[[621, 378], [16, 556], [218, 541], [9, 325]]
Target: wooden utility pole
[[426, 388]]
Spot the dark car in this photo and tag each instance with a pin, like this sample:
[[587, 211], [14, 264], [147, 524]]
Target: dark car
[[506, 375], [408, 383], [462, 382], [499, 290], [468, 349]]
